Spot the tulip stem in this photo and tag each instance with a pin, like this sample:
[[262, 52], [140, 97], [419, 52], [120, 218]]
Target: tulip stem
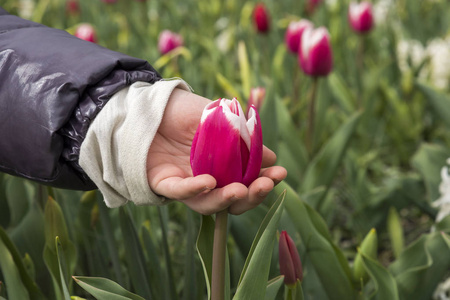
[[311, 115], [219, 252], [360, 70]]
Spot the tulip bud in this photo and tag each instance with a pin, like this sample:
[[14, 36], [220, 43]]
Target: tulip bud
[[290, 264], [369, 247], [168, 41], [86, 32], [72, 7], [315, 56], [311, 5], [261, 18], [256, 98], [227, 145], [294, 33], [360, 16]]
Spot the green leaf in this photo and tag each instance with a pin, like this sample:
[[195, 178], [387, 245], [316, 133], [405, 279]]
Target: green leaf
[[155, 271], [341, 92], [134, 256], [429, 160], [421, 266], [256, 269], [395, 231], [166, 58], [55, 226], [440, 102], [15, 287], [244, 68], [104, 289], [205, 248], [228, 87], [328, 261], [17, 197], [369, 247], [273, 287], [63, 271], [385, 286], [190, 280], [323, 168]]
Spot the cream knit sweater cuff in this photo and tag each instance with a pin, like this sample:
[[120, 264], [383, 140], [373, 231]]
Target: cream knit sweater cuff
[[114, 152]]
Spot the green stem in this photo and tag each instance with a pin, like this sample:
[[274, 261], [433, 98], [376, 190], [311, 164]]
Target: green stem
[[311, 116], [360, 70], [219, 251]]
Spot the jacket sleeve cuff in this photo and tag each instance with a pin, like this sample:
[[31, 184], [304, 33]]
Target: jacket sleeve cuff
[[114, 152]]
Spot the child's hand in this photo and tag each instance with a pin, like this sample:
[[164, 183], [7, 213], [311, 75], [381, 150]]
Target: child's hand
[[169, 170]]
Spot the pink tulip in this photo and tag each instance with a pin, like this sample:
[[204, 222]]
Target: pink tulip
[[227, 145], [261, 18], [289, 259], [315, 55], [72, 7], [360, 16], [86, 32], [311, 5], [294, 33], [168, 41], [256, 99]]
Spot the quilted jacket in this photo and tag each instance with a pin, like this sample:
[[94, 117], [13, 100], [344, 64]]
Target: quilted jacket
[[52, 85]]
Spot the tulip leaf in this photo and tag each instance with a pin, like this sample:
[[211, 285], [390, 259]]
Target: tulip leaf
[[273, 287], [133, 255], [63, 271], [322, 169], [228, 87], [244, 68], [421, 266], [16, 288], [440, 102], [155, 270], [328, 261], [31, 286], [429, 160], [256, 269], [395, 231], [385, 286], [17, 197], [166, 58], [369, 247], [104, 289], [341, 92]]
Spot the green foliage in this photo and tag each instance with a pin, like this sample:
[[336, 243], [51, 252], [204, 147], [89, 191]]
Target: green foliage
[[359, 206]]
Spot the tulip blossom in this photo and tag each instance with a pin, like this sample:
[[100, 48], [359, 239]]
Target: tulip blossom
[[360, 16], [168, 41], [256, 98], [261, 18], [294, 33], [289, 259], [227, 145], [315, 55], [86, 32], [72, 7]]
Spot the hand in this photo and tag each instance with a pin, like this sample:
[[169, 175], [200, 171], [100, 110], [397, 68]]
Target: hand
[[169, 170]]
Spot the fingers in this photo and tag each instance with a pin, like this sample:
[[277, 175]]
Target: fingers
[[276, 173], [257, 192], [178, 188], [269, 157]]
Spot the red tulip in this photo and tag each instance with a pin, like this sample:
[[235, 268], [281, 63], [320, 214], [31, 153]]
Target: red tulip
[[227, 145], [315, 55], [86, 32], [261, 18], [168, 41], [72, 7], [256, 98], [289, 259], [294, 33], [360, 16], [311, 5]]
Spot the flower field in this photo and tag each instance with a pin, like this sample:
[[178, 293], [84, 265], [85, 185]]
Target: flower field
[[353, 99]]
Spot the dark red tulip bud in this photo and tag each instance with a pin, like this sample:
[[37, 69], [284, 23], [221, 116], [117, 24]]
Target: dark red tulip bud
[[289, 259], [261, 18]]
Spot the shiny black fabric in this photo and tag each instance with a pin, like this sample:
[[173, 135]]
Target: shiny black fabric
[[52, 85]]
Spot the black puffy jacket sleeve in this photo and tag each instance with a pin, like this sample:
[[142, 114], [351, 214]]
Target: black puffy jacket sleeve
[[52, 85]]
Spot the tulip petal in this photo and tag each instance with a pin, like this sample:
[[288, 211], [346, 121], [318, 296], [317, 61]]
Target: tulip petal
[[256, 150], [216, 148], [285, 260]]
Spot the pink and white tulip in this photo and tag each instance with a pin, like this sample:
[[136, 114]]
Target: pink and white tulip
[[360, 16], [256, 99], [227, 145], [86, 32], [294, 33], [315, 54], [168, 41], [289, 260]]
